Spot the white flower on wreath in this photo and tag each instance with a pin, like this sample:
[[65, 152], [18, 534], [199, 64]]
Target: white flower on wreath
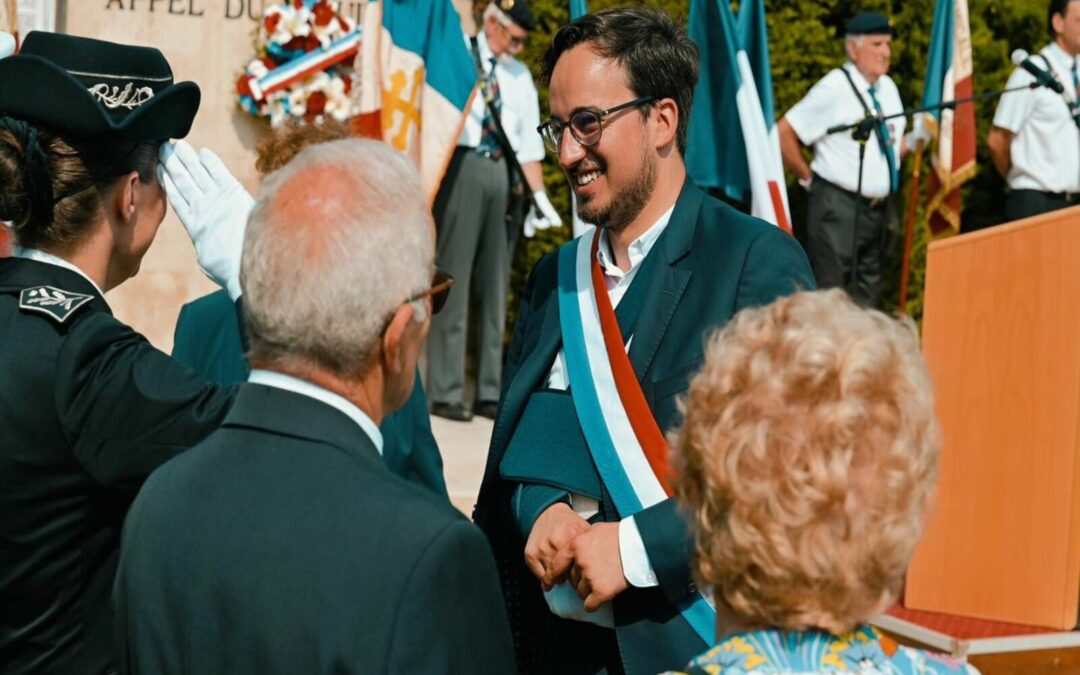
[[294, 22], [338, 103], [257, 69]]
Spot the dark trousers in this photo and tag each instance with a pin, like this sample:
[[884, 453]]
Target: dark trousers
[[831, 231], [470, 214], [1026, 203]]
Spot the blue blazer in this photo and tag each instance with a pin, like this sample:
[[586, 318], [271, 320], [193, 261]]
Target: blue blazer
[[208, 340], [714, 262]]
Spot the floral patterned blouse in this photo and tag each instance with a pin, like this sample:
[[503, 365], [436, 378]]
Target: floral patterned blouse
[[777, 652]]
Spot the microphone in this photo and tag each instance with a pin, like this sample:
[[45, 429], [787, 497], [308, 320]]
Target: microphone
[[1043, 78]]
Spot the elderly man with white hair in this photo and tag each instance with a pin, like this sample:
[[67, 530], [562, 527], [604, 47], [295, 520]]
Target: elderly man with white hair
[[282, 543]]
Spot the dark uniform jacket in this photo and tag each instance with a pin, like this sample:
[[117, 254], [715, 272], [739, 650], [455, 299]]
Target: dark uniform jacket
[[710, 262], [283, 544], [88, 408], [208, 340]]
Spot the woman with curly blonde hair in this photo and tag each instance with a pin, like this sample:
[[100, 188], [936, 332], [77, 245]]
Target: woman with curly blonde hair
[[807, 460]]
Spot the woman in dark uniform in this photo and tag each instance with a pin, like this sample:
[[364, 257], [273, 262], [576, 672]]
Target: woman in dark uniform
[[88, 408]]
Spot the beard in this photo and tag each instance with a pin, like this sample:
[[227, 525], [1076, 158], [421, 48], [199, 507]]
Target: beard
[[626, 204]]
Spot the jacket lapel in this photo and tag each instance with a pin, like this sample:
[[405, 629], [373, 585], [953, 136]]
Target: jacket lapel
[[669, 282]]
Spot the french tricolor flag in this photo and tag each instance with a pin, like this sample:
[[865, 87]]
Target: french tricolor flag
[[733, 143]]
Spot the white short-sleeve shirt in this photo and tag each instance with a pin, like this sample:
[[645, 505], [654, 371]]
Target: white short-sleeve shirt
[[1045, 149], [520, 106], [832, 102]]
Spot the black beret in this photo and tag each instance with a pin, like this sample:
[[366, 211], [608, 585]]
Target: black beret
[[519, 11], [869, 23]]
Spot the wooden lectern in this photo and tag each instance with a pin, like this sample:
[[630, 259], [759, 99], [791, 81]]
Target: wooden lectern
[[1001, 334]]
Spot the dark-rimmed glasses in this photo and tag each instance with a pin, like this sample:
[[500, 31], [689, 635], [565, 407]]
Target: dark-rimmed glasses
[[585, 126], [439, 291]]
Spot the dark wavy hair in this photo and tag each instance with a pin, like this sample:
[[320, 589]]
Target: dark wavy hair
[[659, 57], [53, 187]]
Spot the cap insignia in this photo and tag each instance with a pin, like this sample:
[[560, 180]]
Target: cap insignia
[[114, 97]]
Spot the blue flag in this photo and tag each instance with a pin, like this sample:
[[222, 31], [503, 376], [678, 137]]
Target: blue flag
[[578, 9]]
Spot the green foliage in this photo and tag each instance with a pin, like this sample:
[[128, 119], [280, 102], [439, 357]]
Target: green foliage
[[805, 43]]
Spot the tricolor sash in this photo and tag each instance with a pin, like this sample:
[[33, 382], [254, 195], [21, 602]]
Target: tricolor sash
[[626, 444]]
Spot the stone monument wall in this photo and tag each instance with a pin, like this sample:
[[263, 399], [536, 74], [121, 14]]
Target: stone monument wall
[[208, 42]]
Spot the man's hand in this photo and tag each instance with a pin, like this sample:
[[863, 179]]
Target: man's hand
[[212, 206], [597, 572], [552, 532]]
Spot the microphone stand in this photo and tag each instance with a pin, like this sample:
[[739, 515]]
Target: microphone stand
[[860, 132]]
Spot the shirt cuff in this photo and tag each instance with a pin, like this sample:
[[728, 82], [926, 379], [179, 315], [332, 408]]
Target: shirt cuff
[[635, 560]]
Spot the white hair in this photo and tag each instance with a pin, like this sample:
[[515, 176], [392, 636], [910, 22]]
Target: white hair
[[493, 10], [338, 239]]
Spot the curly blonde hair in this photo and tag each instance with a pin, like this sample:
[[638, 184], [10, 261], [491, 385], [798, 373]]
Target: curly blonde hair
[[806, 459]]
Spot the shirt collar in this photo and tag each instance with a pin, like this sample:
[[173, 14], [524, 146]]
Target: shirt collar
[[858, 78], [50, 259], [271, 378], [485, 50], [1056, 54], [639, 248]]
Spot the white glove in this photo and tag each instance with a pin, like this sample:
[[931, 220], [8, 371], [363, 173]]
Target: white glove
[[541, 216], [213, 207], [921, 130], [7, 44]]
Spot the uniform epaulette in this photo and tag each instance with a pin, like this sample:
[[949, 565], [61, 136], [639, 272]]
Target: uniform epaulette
[[55, 302]]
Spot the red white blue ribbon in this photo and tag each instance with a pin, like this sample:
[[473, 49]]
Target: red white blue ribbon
[[626, 444], [304, 66]]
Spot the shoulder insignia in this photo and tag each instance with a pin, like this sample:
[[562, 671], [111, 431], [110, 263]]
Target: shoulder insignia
[[57, 303]]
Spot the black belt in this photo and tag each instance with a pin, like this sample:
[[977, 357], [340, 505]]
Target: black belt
[[1071, 196], [869, 202], [462, 149]]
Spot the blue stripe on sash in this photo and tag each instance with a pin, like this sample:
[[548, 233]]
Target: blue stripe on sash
[[695, 610]]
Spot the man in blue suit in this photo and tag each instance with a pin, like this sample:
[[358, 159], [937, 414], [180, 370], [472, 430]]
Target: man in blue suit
[[676, 264], [209, 341]]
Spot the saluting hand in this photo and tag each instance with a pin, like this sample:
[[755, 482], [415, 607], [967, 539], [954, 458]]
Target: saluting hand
[[552, 533], [212, 206]]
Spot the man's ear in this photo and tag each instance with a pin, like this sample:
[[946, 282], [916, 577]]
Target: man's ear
[[393, 338], [124, 203], [666, 113]]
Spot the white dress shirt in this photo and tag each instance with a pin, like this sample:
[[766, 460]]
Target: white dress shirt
[[635, 559], [271, 378], [1045, 149], [831, 102], [520, 106], [50, 259]]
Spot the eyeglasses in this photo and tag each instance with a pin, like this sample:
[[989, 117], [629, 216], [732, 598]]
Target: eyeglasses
[[585, 125], [516, 42], [439, 291]]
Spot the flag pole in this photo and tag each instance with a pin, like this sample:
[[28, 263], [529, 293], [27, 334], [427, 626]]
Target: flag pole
[[909, 229]]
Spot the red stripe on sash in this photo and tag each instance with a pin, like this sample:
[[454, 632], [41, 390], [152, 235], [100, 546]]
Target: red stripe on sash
[[642, 421]]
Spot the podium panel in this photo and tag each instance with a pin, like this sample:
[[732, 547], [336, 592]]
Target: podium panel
[[1001, 334]]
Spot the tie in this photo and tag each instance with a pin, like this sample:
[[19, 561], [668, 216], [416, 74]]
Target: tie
[[1076, 80], [489, 145], [886, 145]]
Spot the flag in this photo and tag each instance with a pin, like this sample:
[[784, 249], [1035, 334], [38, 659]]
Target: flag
[[733, 142], [948, 77], [578, 9], [416, 80]]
